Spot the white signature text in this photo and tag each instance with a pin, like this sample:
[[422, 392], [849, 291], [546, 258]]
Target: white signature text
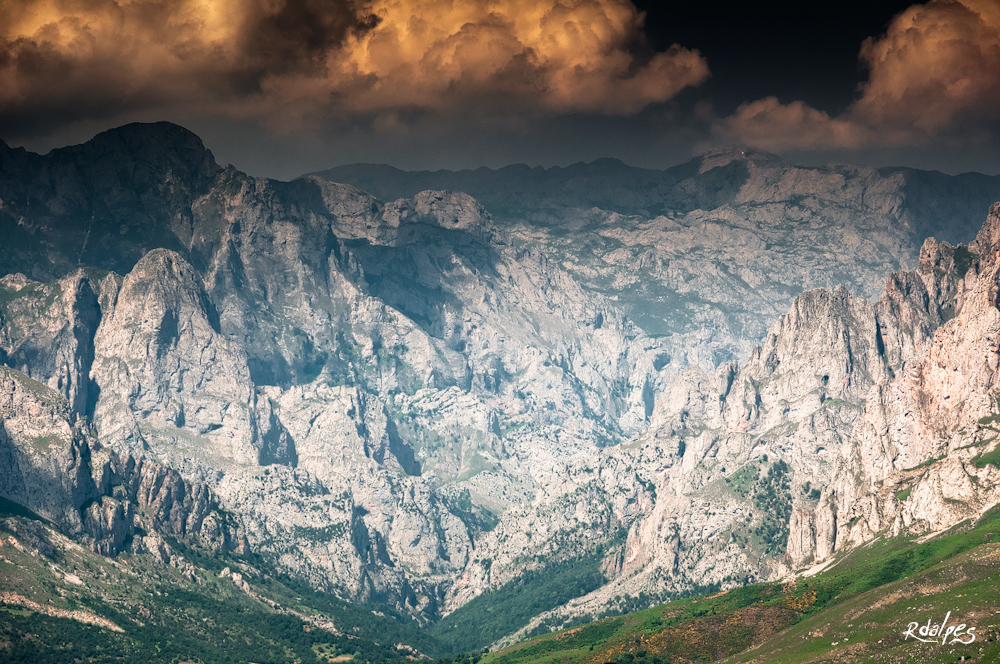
[[933, 633]]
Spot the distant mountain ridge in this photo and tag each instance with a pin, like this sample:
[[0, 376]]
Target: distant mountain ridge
[[716, 248], [531, 193]]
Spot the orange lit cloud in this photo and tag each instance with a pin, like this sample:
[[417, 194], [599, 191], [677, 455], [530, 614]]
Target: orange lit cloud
[[569, 56], [935, 71], [301, 62]]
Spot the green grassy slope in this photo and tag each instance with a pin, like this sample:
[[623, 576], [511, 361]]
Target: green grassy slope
[[52, 591], [856, 611], [496, 614], [870, 627]]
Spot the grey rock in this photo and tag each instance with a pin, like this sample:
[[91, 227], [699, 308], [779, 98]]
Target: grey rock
[[59, 471], [45, 458], [48, 332]]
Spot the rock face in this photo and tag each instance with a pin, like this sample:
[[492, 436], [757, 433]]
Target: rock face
[[104, 203], [49, 333], [45, 458], [853, 420], [413, 402], [165, 371], [920, 456], [58, 470]]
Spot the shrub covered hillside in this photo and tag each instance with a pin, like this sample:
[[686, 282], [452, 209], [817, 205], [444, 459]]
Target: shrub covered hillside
[[62, 603], [856, 610]]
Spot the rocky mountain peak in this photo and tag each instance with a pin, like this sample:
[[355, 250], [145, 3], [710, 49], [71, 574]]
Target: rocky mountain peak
[[447, 209], [935, 255], [156, 147], [987, 242]]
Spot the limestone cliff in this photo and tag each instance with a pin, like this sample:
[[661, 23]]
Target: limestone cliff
[[921, 456], [51, 463]]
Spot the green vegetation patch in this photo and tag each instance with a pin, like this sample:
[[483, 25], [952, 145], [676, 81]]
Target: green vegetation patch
[[904, 494], [811, 492], [378, 623], [925, 464], [989, 419], [43, 443], [324, 534], [186, 626], [51, 292], [743, 479], [774, 501], [992, 458], [581, 639], [8, 295], [869, 627], [500, 612]]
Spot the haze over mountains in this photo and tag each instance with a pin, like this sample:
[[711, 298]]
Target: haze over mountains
[[520, 192], [418, 394]]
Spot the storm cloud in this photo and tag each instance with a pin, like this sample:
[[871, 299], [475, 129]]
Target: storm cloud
[[934, 76], [301, 63], [282, 87]]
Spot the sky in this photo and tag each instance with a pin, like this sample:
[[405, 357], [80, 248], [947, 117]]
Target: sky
[[283, 87]]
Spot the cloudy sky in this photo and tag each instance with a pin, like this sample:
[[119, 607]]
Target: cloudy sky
[[281, 87]]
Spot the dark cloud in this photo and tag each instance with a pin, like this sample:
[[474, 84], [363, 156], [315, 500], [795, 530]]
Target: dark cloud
[[294, 63], [64, 61], [301, 35]]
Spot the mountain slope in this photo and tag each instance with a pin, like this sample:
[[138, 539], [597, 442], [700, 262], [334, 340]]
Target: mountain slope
[[62, 602]]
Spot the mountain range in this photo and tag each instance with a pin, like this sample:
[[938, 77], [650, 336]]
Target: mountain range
[[551, 394]]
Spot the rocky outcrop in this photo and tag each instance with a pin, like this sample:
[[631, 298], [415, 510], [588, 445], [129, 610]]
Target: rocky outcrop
[[139, 494], [48, 332], [57, 470], [914, 463], [165, 372], [44, 458]]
